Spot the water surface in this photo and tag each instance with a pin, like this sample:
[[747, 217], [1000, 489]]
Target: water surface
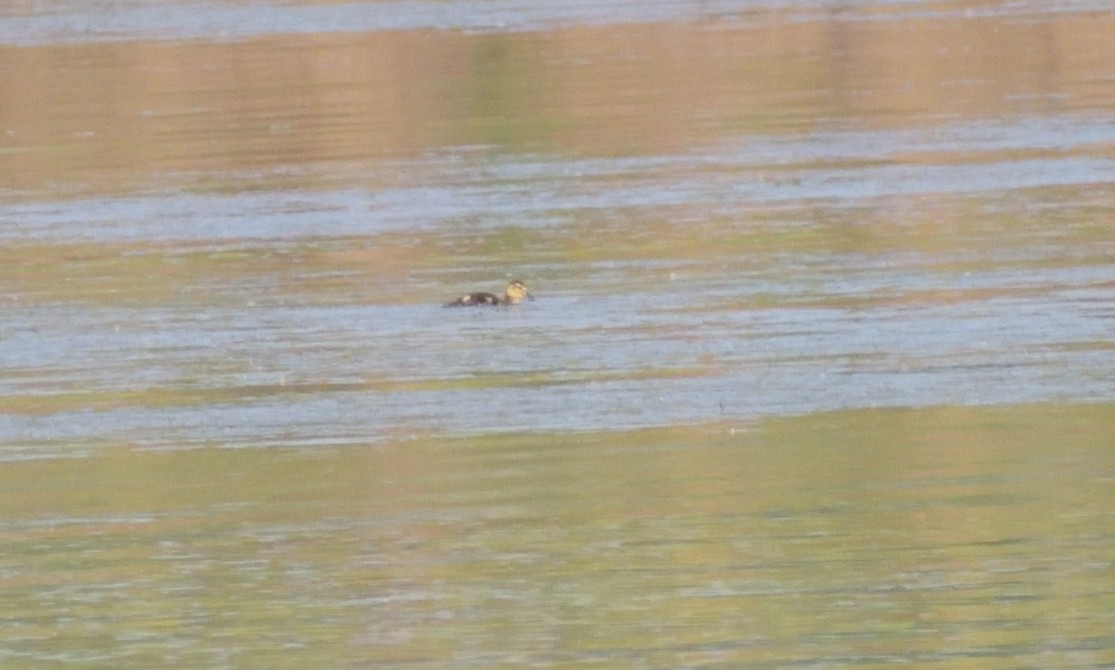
[[819, 373], [945, 538]]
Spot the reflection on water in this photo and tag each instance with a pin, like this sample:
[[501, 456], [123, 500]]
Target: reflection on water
[[40, 21], [943, 538], [818, 373], [671, 291]]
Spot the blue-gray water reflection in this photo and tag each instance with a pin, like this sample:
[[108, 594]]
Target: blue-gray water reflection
[[472, 185], [608, 346], [66, 21]]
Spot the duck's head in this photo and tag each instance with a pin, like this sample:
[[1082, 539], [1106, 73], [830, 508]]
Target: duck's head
[[516, 291]]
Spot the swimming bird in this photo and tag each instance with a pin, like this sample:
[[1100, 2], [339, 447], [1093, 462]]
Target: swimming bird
[[514, 294]]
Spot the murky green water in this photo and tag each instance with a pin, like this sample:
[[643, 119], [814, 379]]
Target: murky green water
[[950, 538], [819, 373]]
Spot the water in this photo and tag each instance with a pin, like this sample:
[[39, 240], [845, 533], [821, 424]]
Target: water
[[819, 372], [708, 298], [59, 21], [950, 537]]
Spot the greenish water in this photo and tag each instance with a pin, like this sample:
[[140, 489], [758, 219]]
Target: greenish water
[[950, 538]]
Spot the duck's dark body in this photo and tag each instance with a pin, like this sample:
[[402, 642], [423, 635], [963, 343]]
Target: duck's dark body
[[516, 291], [473, 299]]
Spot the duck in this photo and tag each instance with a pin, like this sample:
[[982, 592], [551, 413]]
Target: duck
[[514, 294]]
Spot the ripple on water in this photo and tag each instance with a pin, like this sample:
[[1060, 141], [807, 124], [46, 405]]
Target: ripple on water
[[778, 276]]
